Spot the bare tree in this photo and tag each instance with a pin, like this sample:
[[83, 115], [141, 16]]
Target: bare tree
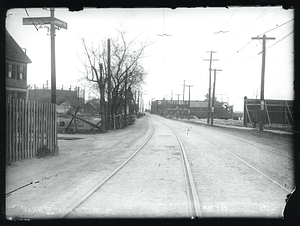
[[127, 73]]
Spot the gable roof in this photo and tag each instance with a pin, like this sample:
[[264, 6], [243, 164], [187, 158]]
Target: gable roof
[[65, 103], [13, 51]]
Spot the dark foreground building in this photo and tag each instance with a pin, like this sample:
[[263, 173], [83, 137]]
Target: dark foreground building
[[16, 62]]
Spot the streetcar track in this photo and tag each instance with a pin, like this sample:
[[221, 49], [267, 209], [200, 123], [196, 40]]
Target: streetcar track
[[193, 199], [247, 142], [98, 185], [192, 193], [258, 146], [280, 184]]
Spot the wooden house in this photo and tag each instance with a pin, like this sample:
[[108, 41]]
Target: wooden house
[[16, 62]]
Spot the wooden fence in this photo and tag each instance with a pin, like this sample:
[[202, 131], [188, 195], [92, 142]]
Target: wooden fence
[[276, 111], [30, 125], [121, 121]]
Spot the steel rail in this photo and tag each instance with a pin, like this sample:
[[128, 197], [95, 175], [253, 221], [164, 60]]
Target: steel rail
[[191, 187], [252, 167], [259, 146], [247, 142], [103, 181]]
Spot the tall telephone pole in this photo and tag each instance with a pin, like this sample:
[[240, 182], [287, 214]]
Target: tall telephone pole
[[55, 24], [108, 84], [183, 90], [209, 87], [177, 105], [213, 97], [262, 84], [172, 104], [189, 111]]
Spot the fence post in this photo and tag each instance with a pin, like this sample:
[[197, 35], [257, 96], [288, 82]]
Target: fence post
[[56, 150], [114, 121], [267, 111], [245, 112]]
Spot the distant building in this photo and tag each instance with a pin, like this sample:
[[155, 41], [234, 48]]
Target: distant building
[[74, 97], [196, 108], [16, 62], [92, 107], [63, 108]]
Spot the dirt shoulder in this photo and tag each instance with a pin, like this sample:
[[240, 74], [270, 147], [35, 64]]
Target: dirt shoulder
[[53, 180]]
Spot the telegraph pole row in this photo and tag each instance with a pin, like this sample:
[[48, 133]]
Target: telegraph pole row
[[213, 97], [262, 98], [209, 87]]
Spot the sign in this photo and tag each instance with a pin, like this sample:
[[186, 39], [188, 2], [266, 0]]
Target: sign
[[159, 102], [262, 105], [45, 20]]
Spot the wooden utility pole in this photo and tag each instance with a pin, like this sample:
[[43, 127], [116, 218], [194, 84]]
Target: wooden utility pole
[[126, 94], [183, 90], [213, 97], [108, 84], [177, 105], [138, 101], [209, 87], [172, 104], [189, 113], [54, 24], [262, 85]]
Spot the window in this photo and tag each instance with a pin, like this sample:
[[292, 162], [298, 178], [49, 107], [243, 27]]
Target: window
[[9, 71], [14, 71], [21, 72]]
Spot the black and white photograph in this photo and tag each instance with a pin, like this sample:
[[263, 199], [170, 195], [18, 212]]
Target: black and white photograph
[[149, 112]]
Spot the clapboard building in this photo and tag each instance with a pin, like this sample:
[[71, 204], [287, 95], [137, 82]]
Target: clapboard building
[[16, 62]]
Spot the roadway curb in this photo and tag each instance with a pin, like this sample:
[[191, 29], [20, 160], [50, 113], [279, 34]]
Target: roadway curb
[[280, 132]]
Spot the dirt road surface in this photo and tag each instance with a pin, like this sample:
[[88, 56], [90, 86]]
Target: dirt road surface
[[152, 184]]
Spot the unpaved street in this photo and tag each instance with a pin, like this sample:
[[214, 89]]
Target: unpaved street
[[235, 174]]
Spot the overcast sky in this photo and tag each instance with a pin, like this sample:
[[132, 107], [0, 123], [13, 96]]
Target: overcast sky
[[172, 59]]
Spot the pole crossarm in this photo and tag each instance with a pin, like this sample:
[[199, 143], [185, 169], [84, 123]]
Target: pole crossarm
[[45, 20], [267, 38], [211, 59]]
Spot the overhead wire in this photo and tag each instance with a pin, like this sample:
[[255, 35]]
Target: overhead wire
[[30, 19], [275, 27], [280, 40], [259, 35], [229, 19], [270, 46]]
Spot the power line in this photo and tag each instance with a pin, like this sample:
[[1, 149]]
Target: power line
[[229, 19], [239, 50], [280, 40], [30, 19], [252, 23], [275, 27], [260, 52]]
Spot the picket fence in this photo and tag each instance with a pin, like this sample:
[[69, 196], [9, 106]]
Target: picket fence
[[30, 125]]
